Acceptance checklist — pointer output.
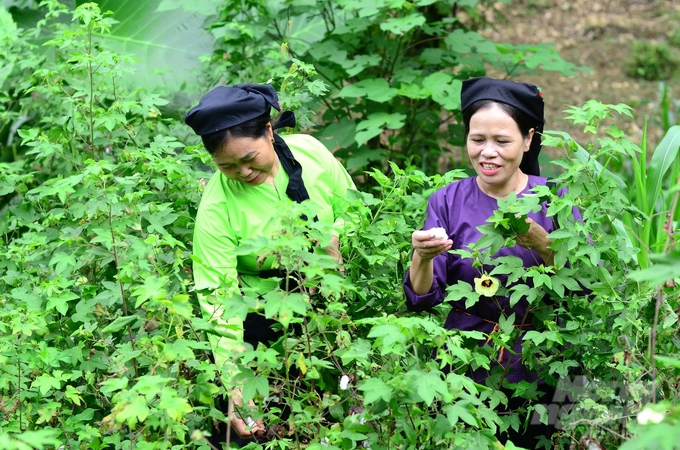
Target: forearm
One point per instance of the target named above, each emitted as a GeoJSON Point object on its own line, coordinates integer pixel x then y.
{"type": "Point", "coordinates": [536, 239]}
{"type": "Point", "coordinates": [548, 256]}
{"type": "Point", "coordinates": [421, 274]}
{"type": "Point", "coordinates": [546, 253]}
{"type": "Point", "coordinates": [334, 249]}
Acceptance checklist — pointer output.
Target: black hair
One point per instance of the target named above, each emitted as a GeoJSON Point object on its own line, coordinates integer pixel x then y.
{"type": "Point", "coordinates": [524, 123]}
{"type": "Point", "coordinates": [253, 128]}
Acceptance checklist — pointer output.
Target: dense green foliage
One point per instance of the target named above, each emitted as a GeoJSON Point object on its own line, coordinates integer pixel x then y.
{"type": "Point", "coordinates": [393, 68]}
{"type": "Point", "coordinates": [651, 61]}
{"type": "Point", "coordinates": [101, 341]}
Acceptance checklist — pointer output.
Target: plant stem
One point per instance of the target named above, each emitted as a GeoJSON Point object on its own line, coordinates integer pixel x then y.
{"type": "Point", "coordinates": [207, 442]}
{"type": "Point", "coordinates": [91, 79]}
{"type": "Point", "coordinates": [120, 284]}
{"type": "Point", "coordinates": [410, 418]}
{"type": "Point", "coordinates": [593, 423]}
{"type": "Point", "coordinates": [659, 300]}
{"type": "Point", "coordinates": [68, 440]}
{"type": "Point", "coordinates": [652, 340]}
{"type": "Point", "coordinates": [507, 366]}
{"type": "Point", "coordinates": [671, 214]}
{"type": "Point", "coordinates": [19, 392]}
{"type": "Point", "coordinates": [309, 347]}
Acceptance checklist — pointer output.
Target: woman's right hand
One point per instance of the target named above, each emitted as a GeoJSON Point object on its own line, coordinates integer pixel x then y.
{"type": "Point", "coordinates": [427, 247]}
{"type": "Point", "coordinates": [243, 429]}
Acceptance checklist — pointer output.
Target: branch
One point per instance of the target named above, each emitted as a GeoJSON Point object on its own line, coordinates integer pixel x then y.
{"type": "Point", "coordinates": [120, 284]}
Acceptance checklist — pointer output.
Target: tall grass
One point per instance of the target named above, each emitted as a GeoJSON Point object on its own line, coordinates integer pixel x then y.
{"type": "Point", "coordinates": [651, 194]}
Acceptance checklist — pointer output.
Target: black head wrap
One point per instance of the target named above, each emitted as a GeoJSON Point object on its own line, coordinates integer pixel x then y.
{"type": "Point", "coordinates": [523, 96]}
{"type": "Point", "coordinates": [225, 107]}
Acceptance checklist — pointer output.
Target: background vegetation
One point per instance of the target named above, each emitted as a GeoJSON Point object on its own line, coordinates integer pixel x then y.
{"type": "Point", "coordinates": [101, 342]}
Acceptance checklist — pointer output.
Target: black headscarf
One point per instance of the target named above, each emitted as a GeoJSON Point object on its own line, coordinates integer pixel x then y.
{"type": "Point", "coordinates": [226, 106]}
{"type": "Point", "coordinates": [523, 96]}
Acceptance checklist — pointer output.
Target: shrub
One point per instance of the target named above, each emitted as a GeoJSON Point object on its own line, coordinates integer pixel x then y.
{"type": "Point", "coordinates": [650, 61]}
{"type": "Point", "coordinates": [674, 38]}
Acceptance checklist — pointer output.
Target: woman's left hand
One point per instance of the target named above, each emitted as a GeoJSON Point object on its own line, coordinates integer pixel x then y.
{"type": "Point", "coordinates": [536, 238]}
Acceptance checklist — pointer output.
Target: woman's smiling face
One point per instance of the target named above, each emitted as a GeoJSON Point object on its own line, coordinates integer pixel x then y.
{"type": "Point", "coordinates": [496, 146]}
{"type": "Point", "coordinates": [251, 161]}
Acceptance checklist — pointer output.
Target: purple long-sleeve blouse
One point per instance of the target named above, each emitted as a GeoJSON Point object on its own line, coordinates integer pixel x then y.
{"type": "Point", "coordinates": [460, 208]}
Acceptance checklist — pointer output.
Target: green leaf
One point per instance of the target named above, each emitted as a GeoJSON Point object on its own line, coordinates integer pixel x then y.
{"type": "Point", "coordinates": [178, 350]}
{"type": "Point", "coordinates": [111, 385]}
{"type": "Point", "coordinates": [59, 301]}
{"type": "Point", "coordinates": [535, 336]}
{"type": "Point", "coordinates": [30, 300]}
{"type": "Point", "coordinates": [376, 89]}
{"type": "Point", "coordinates": [658, 436]}
{"type": "Point", "coordinates": [180, 305]}
{"type": "Point", "coordinates": [444, 89]}
{"type": "Point", "coordinates": [137, 410]}
{"type": "Point", "coordinates": [353, 436]}
{"type": "Point", "coordinates": [668, 361]}
{"type": "Point", "coordinates": [359, 350]}
{"type": "Point", "coordinates": [562, 367]}
{"type": "Point", "coordinates": [119, 324]}
{"type": "Point", "coordinates": [459, 291]}
{"type": "Point", "coordinates": [359, 63]}
{"type": "Point", "coordinates": [389, 337]}
{"type": "Point", "coordinates": [205, 391]}
{"type": "Point", "coordinates": [375, 389]}
{"type": "Point", "coordinates": [255, 384]}
{"type": "Point", "coordinates": [168, 43]}
{"type": "Point", "coordinates": [542, 412]}
{"type": "Point", "coordinates": [401, 25]}
{"type": "Point", "coordinates": [64, 262]}
{"type": "Point", "coordinates": [153, 287]}
{"type": "Point", "coordinates": [361, 158]}
{"type": "Point", "coordinates": [457, 411]}
{"type": "Point", "coordinates": [373, 125]}
{"type": "Point", "coordinates": [285, 306]}
{"type": "Point", "coordinates": [43, 438]}
{"type": "Point", "coordinates": [45, 383]}
{"type": "Point", "coordinates": [176, 407]}
{"type": "Point", "coordinates": [73, 394]}
{"type": "Point", "coordinates": [519, 291]}
{"type": "Point", "coordinates": [665, 267]}
{"type": "Point", "coordinates": [466, 42]}
{"type": "Point", "coordinates": [430, 386]}
{"type": "Point", "coordinates": [665, 154]}
{"type": "Point", "coordinates": [506, 324]}
{"type": "Point", "coordinates": [339, 134]}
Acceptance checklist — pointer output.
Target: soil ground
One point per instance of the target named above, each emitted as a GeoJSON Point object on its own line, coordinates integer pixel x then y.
{"type": "Point", "coordinates": [598, 34]}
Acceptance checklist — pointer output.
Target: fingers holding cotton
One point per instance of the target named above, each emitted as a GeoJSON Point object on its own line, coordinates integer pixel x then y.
{"type": "Point", "coordinates": [438, 233]}
{"type": "Point", "coordinates": [430, 243]}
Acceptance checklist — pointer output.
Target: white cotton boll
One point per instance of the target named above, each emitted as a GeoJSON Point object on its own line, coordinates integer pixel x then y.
{"type": "Point", "coordinates": [250, 422]}
{"type": "Point", "coordinates": [648, 415]}
{"type": "Point", "coordinates": [439, 233]}
{"type": "Point", "coordinates": [344, 382]}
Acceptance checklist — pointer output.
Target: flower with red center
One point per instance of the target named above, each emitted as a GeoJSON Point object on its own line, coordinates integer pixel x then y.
{"type": "Point", "coordinates": [486, 285]}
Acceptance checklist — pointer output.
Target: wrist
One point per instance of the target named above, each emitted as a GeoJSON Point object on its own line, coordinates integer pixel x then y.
{"type": "Point", "coordinates": [547, 254]}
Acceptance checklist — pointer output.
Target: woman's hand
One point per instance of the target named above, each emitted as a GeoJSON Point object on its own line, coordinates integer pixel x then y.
{"type": "Point", "coordinates": [334, 251]}
{"type": "Point", "coordinates": [243, 429]}
{"type": "Point", "coordinates": [536, 238]}
{"type": "Point", "coordinates": [427, 247]}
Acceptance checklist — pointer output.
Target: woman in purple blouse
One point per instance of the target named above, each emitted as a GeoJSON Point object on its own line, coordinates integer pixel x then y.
{"type": "Point", "coordinates": [502, 122]}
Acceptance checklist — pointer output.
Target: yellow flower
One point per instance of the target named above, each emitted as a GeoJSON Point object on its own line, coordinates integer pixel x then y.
{"type": "Point", "coordinates": [486, 285]}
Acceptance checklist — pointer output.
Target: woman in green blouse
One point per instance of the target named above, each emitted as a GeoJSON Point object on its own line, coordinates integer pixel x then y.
{"type": "Point", "coordinates": [258, 171]}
